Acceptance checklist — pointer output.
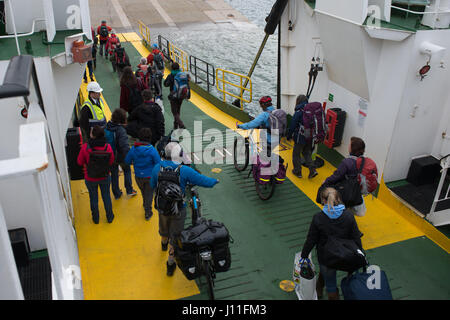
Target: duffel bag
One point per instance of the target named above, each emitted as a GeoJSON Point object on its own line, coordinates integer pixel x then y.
{"type": "Point", "coordinates": [366, 286]}
{"type": "Point", "coordinates": [204, 233]}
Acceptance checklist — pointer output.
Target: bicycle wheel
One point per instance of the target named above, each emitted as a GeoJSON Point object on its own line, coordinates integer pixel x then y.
{"type": "Point", "coordinates": [265, 191]}
{"type": "Point", "coordinates": [241, 154]}
{"type": "Point", "coordinates": [209, 279]}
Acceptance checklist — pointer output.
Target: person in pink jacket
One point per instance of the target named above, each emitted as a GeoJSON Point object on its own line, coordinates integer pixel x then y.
{"type": "Point", "coordinates": [97, 158]}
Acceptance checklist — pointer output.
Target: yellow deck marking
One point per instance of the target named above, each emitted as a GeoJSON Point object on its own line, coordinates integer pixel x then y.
{"type": "Point", "coordinates": [123, 260]}
{"type": "Point", "coordinates": [381, 225]}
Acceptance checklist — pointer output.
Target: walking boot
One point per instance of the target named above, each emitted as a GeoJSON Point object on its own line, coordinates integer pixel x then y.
{"type": "Point", "coordinates": [312, 173]}
{"type": "Point", "coordinates": [333, 295]}
{"type": "Point", "coordinates": [320, 284]}
{"type": "Point", "coordinates": [298, 174]}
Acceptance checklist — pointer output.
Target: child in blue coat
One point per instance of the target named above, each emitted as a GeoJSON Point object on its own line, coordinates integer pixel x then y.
{"type": "Point", "coordinates": [144, 157]}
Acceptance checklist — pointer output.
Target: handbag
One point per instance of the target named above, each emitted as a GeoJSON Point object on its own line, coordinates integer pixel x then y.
{"type": "Point", "coordinates": [343, 254]}
{"type": "Point", "coordinates": [349, 190]}
{"type": "Point", "coordinates": [304, 278]}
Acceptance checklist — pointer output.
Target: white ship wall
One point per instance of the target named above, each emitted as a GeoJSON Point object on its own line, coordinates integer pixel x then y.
{"type": "Point", "coordinates": [379, 74]}
{"type": "Point", "coordinates": [42, 206]}
{"type": "Point", "coordinates": [418, 131]}
{"type": "Point", "coordinates": [17, 196]}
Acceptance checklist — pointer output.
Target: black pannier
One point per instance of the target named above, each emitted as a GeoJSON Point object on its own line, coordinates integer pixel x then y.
{"type": "Point", "coordinates": [206, 233]}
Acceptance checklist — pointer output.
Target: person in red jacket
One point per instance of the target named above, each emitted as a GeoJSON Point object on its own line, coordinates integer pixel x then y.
{"type": "Point", "coordinates": [130, 90]}
{"type": "Point", "coordinates": [97, 157]}
{"type": "Point", "coordinates": [111, 44]}
{"type": "Point", "coordinates": [151, 56]}
{"type": "Point", "coordinates": [103, 31]}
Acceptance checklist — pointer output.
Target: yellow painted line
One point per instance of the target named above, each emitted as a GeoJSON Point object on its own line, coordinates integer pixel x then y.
{"type": "Point", "coordinates": [385, 195]}
{"type": "Point", "coordinates": [381, 225]}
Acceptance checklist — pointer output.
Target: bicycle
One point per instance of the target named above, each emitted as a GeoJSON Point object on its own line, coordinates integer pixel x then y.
{"type": "Point", "coordinates": [264, 191]}
{"type": "Point", "coordinates": [204, 257]}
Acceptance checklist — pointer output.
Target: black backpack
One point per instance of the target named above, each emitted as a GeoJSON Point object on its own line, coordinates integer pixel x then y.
{"type": "Point", "coordinates": [169, 196]}
{"type": "Point", "coordinates": [98, 164]}
{"type": "Point", "coordinates": [163, 143]}
{"type": "Point", "coordinates": [158, 59]}
{"type": "Point", "coordinates": [104, 31]}
{"type": "Point", "coordinates": [135, 98]}
{"type": "Point", "coordinates": [120, 57]}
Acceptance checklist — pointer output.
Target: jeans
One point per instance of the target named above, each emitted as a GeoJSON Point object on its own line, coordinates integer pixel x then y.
{"type": "Point", "coordinates": [115, 179]}
{"type": "Point", "coordinates": [106, 196]}
{"type": "Point", "coordinates": [147, 193]}
{"type": "Point", "coordinates": [300, 149]}
{"type": "Point", "coordinates": [329, 277]}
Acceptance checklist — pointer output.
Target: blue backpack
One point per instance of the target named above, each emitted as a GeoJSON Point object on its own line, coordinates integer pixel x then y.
{"type": "Point", "coordinates": [111, 139]}
{"type": "Point", "coordinates": [181, 89]}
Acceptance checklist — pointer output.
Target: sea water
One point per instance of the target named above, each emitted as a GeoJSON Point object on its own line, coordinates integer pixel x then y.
{"type": "Point", "coordinates": [233, 46]}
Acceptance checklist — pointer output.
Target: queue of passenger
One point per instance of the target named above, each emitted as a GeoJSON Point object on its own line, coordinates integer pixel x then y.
{"type": "Point", "coordinates": [106, 148]}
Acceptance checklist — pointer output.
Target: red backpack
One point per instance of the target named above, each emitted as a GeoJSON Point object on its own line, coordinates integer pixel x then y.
{"type": "Point", "coordinates": [367, 175]}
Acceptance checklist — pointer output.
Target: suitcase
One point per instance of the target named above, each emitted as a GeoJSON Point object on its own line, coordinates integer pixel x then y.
{"type": "Point", "coordinates": [355, 287]}
{"type": "Point", "coordinates": [339, 131]}
{"type": "Point", "coordinates": [73, 147]}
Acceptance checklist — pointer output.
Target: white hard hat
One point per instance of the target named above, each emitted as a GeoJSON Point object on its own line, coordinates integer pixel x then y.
{"type": "Point", "coordinates": [94, 87]}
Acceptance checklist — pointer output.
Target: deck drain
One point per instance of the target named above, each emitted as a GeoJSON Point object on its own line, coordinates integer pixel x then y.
{"type": "Point", "coordinates": [287, 285]}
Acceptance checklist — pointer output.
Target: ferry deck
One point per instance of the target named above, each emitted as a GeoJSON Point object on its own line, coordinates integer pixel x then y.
{"type": "Point", "coordinates": [123, 260]}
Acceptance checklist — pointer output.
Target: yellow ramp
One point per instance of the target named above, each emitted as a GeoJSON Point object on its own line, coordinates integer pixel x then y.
{"type": "Point", "coordinates": [123, 260]}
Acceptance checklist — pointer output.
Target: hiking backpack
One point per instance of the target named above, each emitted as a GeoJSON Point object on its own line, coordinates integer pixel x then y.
{"type": "Point", "coordinates": [278, 120]}
{"type": "Point", "coordinates": [181, 88]}
{"type": "Point", "coordinates": [98, 164]}
{"type": "Point", "coordinates": [111, 139]}
{"type": "Point", "coordinates": [314, 127]}
{"type": "Point", "coordinates": [120, 57]}
{"type": "Point", "coordinates": [169, 196]}
{"type": "Point", "coordinates": [367, 175]}
{"type": "Point", "coordinates": [104, 31]}
{"type": "Point", "coordinates": [113, 43]}
{"type": "Point", "coordinates": [158, 59]}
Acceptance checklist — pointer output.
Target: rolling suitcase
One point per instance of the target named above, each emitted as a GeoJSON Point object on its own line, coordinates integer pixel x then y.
{"type": "Point", "coordinates": [74, 142]}
{"type": "Point", "coordinates": [366, 286]}
{"type": "Point", "coordinates": [339, 132]}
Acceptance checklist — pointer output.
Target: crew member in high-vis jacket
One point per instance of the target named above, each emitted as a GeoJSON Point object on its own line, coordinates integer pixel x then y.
{"type": "Point", "coordinates": [93, 110]}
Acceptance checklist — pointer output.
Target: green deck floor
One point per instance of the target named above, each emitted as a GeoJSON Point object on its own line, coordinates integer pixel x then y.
{"type": "Point", "coordinates": [268, 234]}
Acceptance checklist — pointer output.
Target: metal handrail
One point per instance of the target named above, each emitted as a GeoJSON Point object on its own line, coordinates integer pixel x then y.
{"type": "Point", "coordinates": [164, 47]}
{"type": "Point", "coordinates": [145, 32]}
{"type": "Point", "coordinates": [240, 86]}
{"type": "Point", "coordinates": [194, 68]}
{"type": "Point", "coordinates": [178, 55]}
